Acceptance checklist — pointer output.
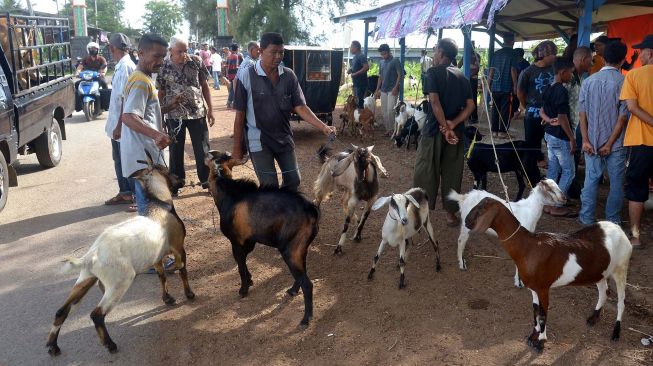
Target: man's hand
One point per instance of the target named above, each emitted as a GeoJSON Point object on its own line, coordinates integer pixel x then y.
{"type": "Point", "coordinates": [451, 137]}
{"type": "Point", "coordinates": [116, 132]}
{"type": "Point", "coordinates": [554, 122]}
{"type": "Point", "coordinates": [377, 94]}
{"type": "Point", "coordinates": [572, 147]}
{"type": "Point", "coordinates": [395, 91]}
{"type": "Point", "coordinates": [329, 130]}
{"type": "Point", "coordinates": [605, 149]}
{"type": "Point", "coordinates": [210, 118]}
{"type": "Point", "coordinates": [450, 125]}
{"type": "Point", "coordinates": [588, 148]}
{"type": "Point", "coordinates": [162, 140]}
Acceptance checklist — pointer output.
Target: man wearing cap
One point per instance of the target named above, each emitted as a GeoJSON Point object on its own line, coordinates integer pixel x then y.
{"type": "Point", "coordinates": [502, 79]}
{"type": "Point", "coordinates": [119, 47]}
{"type": "Point", "coordinates": [637, 91]}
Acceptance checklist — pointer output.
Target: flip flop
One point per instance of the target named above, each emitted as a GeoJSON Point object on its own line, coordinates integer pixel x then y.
{"type": "Point", "coordinates": [132, 208]}
{"type": "Point", "coordinates": [568, 213]}
{"type": "Point", "coordinates": [118, 200]}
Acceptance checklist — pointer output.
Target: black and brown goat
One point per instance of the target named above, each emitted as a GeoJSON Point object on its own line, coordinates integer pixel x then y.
{"type": "Point", "coordinates": [277, 217]}
{"type": "Point", "coordinates": [357, 171]}
{"type": "Point", "coordinates": [546, 260]}
{"type": "Point", "coordinates": [128, 248]}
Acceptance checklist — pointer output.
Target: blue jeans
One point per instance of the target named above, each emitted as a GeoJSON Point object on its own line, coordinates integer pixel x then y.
{"type": "Point", "coordinates": [139, 194]}
{"type": "Point", "coordinates": [216, 80]}
{"type": "Point", "coordinates": [359, 92]}
{"type": "Point", "coordinates": [124, 188]}
{"type": "Point", "coordinates": [595, 165]}
{"type": "Point", "coordinates": [561, 162]}
{"type": "Point", "coordinates": [232, 92]}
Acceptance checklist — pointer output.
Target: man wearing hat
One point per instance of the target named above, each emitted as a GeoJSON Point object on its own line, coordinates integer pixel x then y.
{"type": "Point", "coordinates": [119, 47]}
{"type": "Point", "coordinates": [637, 91]}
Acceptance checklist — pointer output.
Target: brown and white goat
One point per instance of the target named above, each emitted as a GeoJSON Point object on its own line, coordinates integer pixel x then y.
{"type": "Point", "coordinates": [546, 260]}
{"type": "Point", "coordinates": [277, 217]}
{"type": "Point", "coordinates": [357, 171]}
{"type": "Point", "coordinates": [125, 249]}
{"type": "Point", "coordinates": [347, 117]}
{"type": "Point", "coordinates": [364, 122]}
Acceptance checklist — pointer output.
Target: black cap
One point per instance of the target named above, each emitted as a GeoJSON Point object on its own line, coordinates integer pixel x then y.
{"type": "Point", "coordinates": [646, 43]}
{"type": "Point", "coordinates": [120, 41]}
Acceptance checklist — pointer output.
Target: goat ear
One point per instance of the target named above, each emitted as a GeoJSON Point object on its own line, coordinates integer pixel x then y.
{"type": "Point", "coordinates": [369, 148]}
{"type": "Point", "coordinates": [412, 200]}
{"type": "Point", "coordinates": [377, 164]}
{"type": "Point", "coordinates": [382, 201]}
{"type": "Point", "coordinates": [354, 146]}
{"type": "Point", "coordinates": [342, 165]}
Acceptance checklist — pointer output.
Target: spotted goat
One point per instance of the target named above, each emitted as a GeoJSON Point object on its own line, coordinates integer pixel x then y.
{"type": "Point", "coordinates": [125, 249]}
{"type": "Point", "coordinates": [546, 260]}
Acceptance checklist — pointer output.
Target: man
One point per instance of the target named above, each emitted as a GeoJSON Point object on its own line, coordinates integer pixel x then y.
{"type": "Point", "coordinates": [358, 71]}
{"type": "Point", "coordinates": [439, 160]}
{"type": "Point", "coordinates": [522, 64]}
{"type": "Point", "coordinates": [184, 77]}
{"type": "Point", "coordinates": [266, 95]}
{"type": "Point", "coordinates": [253, 52]}
{"type": "Point", "coordinates": [582, 59]}
{"type": "Point", "coordinates": [425, 63]}
{"type": "Point", "coordinates": [502, 79]}
{"type": "Point", "coordinates": [602, 120]}
{"type": "Point", "coordinates": [205, 55]}
{"type": "Point", "coordinates": [391, 75]}
{"type": "Point", "coordinates": [532, 83]}
{"type": "Point", "coordinates": [119, 46]}
{"type": "Point", "coordinates": [216, 67]}
{"type": "Point", "coordinates": [598, 62]}
{"type": "Point", "coordinates": [637, 91]}
{"type": "Point", "coordinates": [233, 62]}
{"type": "Point", "coordinates": [93, 62]}
{"type": "Point", "coordinates": [141, 117]}
{"type": "Point", "coordinates": [474, 67]}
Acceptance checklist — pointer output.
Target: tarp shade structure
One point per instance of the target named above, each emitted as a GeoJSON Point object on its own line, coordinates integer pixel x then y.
{"type": "Point", "coordinates": [409, 17]}
{"type": "Point", "coordinates": [631, 31]}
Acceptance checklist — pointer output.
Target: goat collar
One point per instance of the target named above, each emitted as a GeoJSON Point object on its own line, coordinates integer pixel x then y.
{"type": "Point", "coordinates": [513, 234]}
{"type": "Point", "coordinates": [163, 204]}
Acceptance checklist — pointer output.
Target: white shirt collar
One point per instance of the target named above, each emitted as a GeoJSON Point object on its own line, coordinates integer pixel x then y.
{"type": "Point", "coordinates": [261, 72]}
{"type": "Point", "coordinates": [608, 68]}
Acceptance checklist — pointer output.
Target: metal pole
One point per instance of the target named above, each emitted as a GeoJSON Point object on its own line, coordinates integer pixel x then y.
{"type": "Point", "coordinates": [365, 40]}
{"type": "Point", "coordinates": [490, 51]}
{"type": "Point", "coordinates": [96, 14]}
{"type": "Point", "coordinates": [468, 50]}
{"type": "Point", "coordinates": [29, 7]}
{"type": "Point", "coordinates": [402, 60]}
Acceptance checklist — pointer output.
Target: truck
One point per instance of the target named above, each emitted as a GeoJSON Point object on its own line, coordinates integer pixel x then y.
{"type": "Point", "coordinates": [36, 92]}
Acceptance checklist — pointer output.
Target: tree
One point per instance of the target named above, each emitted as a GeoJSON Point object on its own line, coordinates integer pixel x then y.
{"type": "Point", "coordinates": [108, 14]}
{"type": "Point", "coordinates": [9, 5]}
{"type": "Point", "coordinates": [162, 17]}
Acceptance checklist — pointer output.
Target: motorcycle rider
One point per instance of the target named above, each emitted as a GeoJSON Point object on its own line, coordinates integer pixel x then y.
{"type": "Point", "coordinates": [93, 62]}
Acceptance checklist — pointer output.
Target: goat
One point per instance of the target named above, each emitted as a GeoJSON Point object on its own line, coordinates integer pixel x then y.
{"type": "Point", "coordinates": [357, 172]}
{"type": "Point", "coordinates": [528, 211]}
{"type": "Point", "coordinates": [412, 82]}
{"type": "Point", "coordinates": [370, 103]}
{"type": "Point", "coordinates": [401, 117]}
{"type": "Point", "coordinates": [277, 217]}
{"type": "Point", "coordinates": [481, 161]}
{"type": "Point", "coordinates": [413, 126]}
{"type": "Point", "coordinates": [348, 114]}
{"type": "Point", "coordinates": [411, 214]}
{"type": "Point", "coordinates": [125, 249]}
{"type": "Point", "coordinates": [364, 122]}
{"type": "Point", "coordinates": [588, 256]}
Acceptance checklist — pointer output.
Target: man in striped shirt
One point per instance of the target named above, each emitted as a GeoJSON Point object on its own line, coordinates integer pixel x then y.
{"type": "Point", "coordinates": [603, 119]}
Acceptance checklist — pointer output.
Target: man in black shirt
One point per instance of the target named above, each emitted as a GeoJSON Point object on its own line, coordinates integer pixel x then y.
{"type": "Point", "coordinates": [358, 71]}
{"type": "Point", "coordinates": [439, 160]}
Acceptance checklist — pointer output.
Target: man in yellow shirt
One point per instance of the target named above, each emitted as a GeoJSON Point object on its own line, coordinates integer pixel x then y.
{"type": "Point", "coordinates": [637, 91]}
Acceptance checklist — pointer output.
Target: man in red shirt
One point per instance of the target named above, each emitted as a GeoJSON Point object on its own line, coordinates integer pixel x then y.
{"type": "Point", "coordinates": [93, 62]}
{"type": "Point", "coordinates": [233, 62]}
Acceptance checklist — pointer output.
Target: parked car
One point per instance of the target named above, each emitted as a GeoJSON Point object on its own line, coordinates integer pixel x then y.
{"type": "Point", "coordinates": [36, 92]}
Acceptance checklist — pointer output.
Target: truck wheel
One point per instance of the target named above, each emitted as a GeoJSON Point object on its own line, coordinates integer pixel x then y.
{"type": "Point", "coordinates": [89, 111]}
{"type": "Point", "coordinates": [4, 181]}
{"type": "Point", "coordinates": [48, 146]}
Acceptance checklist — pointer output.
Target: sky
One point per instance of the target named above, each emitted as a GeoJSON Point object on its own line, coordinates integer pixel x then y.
{"type": "Point", "coordinates": [337, 36]}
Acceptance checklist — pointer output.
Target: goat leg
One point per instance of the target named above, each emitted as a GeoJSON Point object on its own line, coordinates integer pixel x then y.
{"type": "Point", "coordinates": [376, 259]}
{"type": "Point", "coordinates": [402, 264]}
{"type": "Point", "coordinates": [183, 273]}
{"type": "Point", "coordinates": [434, 243]}
{"type": "Point", "coordinates": [165, 296]}
{"type": "Point", "coordinates": [245, 276]}
{"type": "Point", "coordinates": [361, 222]}
{"type": "Point", "coordinates": [351, 206]}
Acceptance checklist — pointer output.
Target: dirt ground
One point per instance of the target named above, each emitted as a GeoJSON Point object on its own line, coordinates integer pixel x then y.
{"type": "Point", "coordinates": [451, 317]}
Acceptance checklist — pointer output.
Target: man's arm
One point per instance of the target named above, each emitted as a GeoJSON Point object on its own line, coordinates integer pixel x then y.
{"type": "Point", "coordinates": [634, 108]}
{"type": "Point", "coordinates": [618, 128]}
{"type": "Point", "coordinates": [400, 78]}
{"type": "Point", "coordinates": [587, 145]}
{"type": "Point", "coordinates": [206, 93]}
{"type": "Point", "coordinates": [464, 114]}
{"type": "Point", "coordinates": [364, 69]}
{"type": "Point", "coordinates": [136, 123]}
{"type": "Point", "coordinates": [513, 75]}
{"type": "Point", "coordinates": [490, 77]}
{"type": "Point", "coordinates": [238, 149]}
{"type": "Point", "coordinates": [307, 115]}
{"type": "Point", "coordinates": [564, 123]}
{"type": "Point", "coordinates": [377, 92]}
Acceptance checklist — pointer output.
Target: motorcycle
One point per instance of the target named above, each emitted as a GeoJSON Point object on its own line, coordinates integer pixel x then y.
{"type": "Point", "coordinates": [89, 91]}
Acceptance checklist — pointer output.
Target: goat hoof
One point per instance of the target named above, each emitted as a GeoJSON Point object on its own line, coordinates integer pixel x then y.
{"type": "Point", "coordinates": [303, 324]}
{"type": "Point", "coordinates": [190, 295]}
{"type": "Point", "coordinates": [371, 274]}
{"type": "Point", "coordinates": [539, 345]}
{"type": "Point", "coordinates": [54, 350]}
{"type": "Point", "coordinates": [169, 300]}
{"type": "Point", "coordinates": [438, 267]}
{"type": "Point", "coordinates": [250, 282]}
{"type": "Point", "coordinates": [243, 292]}
{"type": "Point", "coordinates": [357, 238]}
{"type": "Point", "coordinates": [112, 347]}
{"type": "Point", "coordinates": [292, 292]}
{"type": "Point", "coordinates": [338, 250]}
{"type": "Point", "coordinates": [594, 318]}
{"type": "Point", "coordinates": [616, 331]}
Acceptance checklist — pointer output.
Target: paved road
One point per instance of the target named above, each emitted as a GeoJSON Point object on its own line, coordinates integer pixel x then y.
{"type": "Point", "coordinates": [55, 213]}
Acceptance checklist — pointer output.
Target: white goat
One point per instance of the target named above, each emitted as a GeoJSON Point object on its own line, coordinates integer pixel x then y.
{"type": "Point", "coordinates": [401, 117]}
{"type": "Point", "coordinates": [528, 211]}
{"type": "Point", "coordinates": [125, 249]}
{"type": "Point", "coordinates": [370, 103]}
{"type": "Point", "coordinates": [407, 215]}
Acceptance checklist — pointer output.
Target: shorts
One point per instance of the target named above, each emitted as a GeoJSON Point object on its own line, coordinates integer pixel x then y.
{"type": "Point", "coordinates": [639, 169]}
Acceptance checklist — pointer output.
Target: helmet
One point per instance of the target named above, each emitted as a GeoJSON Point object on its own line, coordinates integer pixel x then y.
{"type": "Point", "coordinates": [92, 45]}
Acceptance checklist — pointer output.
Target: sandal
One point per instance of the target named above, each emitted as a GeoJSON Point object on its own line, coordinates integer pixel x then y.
{"type": "Point", "coordinates": [132, 208]}
{"type": "Point", "coordinates": [118, 200]}
{"type": "Point", "coordinates": [564, 212]}
{"type": "Point", "coordinates": [639, 246]}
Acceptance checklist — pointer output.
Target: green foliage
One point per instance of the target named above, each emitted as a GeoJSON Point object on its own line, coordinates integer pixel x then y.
{"type": "Point", "coordinates": [162, 17]}
{"type": "Point", "coordinates": [201, 16]}
{"type": "Point", "coordinates": [9, 5]}
{"type": "Point", "coordinates": [108, 14]}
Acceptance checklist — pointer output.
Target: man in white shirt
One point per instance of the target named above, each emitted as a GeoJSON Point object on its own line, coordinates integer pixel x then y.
{"type": "Point", "coordinates": [119, 46]}
{"type": "Point", "coordinates": [425, 63]}
{"type": "Point", "coordinates": [216, 66]}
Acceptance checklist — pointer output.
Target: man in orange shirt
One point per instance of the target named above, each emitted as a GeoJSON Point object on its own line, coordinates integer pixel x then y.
{"type": "Point", "coordinates": [637, 91]}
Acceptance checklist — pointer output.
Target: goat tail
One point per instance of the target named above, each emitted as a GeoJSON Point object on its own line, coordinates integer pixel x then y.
{"type": "Point", "coordinates": [455, 196]}
{"type": "Point", "coordinates": [323, 152]}
{"type": "Point", "coordinates": [72, 264]}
